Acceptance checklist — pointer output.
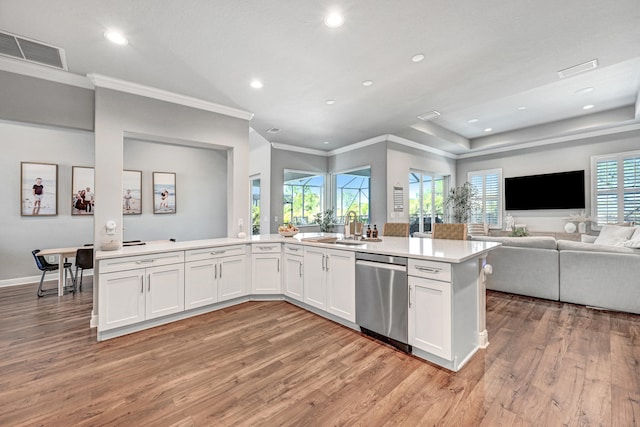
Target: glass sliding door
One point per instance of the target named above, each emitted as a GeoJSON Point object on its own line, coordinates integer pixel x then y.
{"type": "Point", "coordinates": [255, 205]}
{"type": "Point", "coordinates": [426, 200]}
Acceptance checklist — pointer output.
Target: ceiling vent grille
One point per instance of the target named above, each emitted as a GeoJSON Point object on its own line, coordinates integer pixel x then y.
{"type": "Point", "coordinates": [273, 130]}
{"type": "Point", "coordinates": [32, 51]}
{"type": "Point", "coordinates": [429, 116]}
{"type": "Point", "coordinates": [577, 69]}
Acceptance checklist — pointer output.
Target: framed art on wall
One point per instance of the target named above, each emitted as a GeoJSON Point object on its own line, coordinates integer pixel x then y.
{"type": "Point", "coordinates": [164, 192]}
{"type": "Point", "coordinates": [82, 196]}
{"type": "Point", "coordinates": [38, 189]}
{"type": "Point", "coordinates": [132, 192]}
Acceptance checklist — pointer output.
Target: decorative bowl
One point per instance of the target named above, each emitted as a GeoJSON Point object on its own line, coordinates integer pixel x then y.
{"type": "Point", "coordinates": [288, 233]}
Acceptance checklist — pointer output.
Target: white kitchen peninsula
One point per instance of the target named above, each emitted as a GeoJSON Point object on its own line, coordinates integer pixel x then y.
{"type": "Point", "coordinates": [446, 301]}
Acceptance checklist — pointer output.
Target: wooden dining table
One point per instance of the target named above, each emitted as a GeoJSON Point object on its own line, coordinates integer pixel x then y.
{"type": "Point", "coordinates": [63, 254]}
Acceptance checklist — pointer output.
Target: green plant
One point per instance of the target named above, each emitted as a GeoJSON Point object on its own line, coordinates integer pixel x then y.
{"type": "Point", "coordinates": [326, 220]}
{"type": "Point", "coordinates": [461, 201]}
{"type": "Point", "coordinates": [519, 232]}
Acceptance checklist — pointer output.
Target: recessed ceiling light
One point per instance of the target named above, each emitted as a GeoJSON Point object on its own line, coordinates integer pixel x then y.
{"type": "Point", "coordinates": [116, 37]}
{"type": "Point", "coordinates": [330, 101]}
{"type": "Point", "coordinates": [417, 58]}
{"type": "Point", "coordinates": [588, 107]}
{"type": "Point", "coordinates": [488, 129]}
{"type": "Point", "coordinates": [367, 83]}
{"type": "Point", "coordinates": [584, 90]}
{"type": "Point", "coordinates": [256, 84]}
{"type": "Point", "coordinates": [326, 142]}
{"type": "Point", "coordinates": [522, 107]}
{"type": "Point", "coordinates": [334, 20]}
{"type": "Point", "coordinates": [473, 121]}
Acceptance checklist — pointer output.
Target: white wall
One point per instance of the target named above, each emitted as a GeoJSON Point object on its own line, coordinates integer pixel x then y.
{"type": "Point", "coordinates": [575, 155]}
{"type": "Point", "coordinates": [260, 164]}
{"type": "Point", "coordinates": [20, 235]}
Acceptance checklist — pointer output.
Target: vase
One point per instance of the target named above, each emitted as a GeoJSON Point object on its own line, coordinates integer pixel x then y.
{"type": "Point", "coordinates": [570, 227]}
{"type": "Point", "coordinates": [582, 227]}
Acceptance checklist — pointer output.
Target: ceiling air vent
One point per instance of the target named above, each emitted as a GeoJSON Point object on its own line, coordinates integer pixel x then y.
{"type": "Point", "coordinates": [429, 116]}
{"type": "Point", "coordinates": [273, 130]}
{"type": "Point", "coordinates": [577, 69]}
{"type": "Point", "coordinates": [31, 51]}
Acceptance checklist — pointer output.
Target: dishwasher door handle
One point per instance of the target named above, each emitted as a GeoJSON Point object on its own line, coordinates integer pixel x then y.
{"type": "Point", "coordinates": [381, 265]}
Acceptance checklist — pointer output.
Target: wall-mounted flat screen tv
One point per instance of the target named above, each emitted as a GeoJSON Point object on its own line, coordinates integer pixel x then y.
{"type": "Point", "coordinates": [563, 190]}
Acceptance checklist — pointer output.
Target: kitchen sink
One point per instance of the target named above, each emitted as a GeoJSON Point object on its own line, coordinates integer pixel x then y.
{"type": "Point", "coordinates": [350, 242]}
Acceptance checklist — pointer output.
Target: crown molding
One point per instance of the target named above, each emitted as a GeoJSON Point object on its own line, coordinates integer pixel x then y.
{"type": "Point", "coordinates": [43, 72]}
{"type": "Point", "coordinates": [288, 147]}
{"type": "Point", "coordinates": [163, 95]}
{"type": "Point", "coordinates": [358, 145]}
{"type": "Point", "coordinates": [555, 140]}
{"type": "Point", "coordinates": [408, 143]}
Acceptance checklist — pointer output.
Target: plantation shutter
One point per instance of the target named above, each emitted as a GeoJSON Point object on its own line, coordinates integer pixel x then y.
{"type": "Point", "coordinates": [488, 190]}
{"type": "Point", "coordinates": [616, 188]}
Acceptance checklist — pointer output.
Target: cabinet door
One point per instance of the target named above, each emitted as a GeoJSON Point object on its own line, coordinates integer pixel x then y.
{"type": "Point", "coordinates": [430, 316]}
{"type": "Point", "coordinates": [232, 277]}
{"type": "Point", "coordinates": [122, 298]}
{"type": "Point", "coordinates": [341, 284]}
{"type": "Point", "coordinates": [266, 277]}
{"type": "Point", "coordinates": [293, 281]}
{"type": "Point", "coordinates": [165, 290]}
{"type": "Point", "coordinates": [314, 278]}
{"type": "Point", "coordinates": [200, 283]}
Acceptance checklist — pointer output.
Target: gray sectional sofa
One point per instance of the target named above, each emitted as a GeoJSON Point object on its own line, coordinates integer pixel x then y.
{"type": "Point", "coordinates": [603, 276]}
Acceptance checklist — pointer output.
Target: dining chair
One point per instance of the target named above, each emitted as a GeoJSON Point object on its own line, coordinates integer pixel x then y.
{"type": "Point", "coordinates": [396, 229]}
{"type": "Point", "coordinates": [46, 267]}
{"type": "Point", "coordinates": [450, 231]}
{"type": "Point", "coordinates": [84, 261]}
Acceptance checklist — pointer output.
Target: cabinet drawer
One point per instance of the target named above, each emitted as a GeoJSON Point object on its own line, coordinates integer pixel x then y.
{"type": "Point", "coordinates": [293, 249]}
{"type": "Point", "coordinates": [263, 248]}
{"type": "Point", "coordinates": [430, 269]}
{"type": "Point", "coordinates": [138, 261]}
{"type": "Point", "coordinates": [214, 252]}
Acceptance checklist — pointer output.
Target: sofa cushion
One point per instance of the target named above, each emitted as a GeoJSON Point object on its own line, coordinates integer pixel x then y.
{"type": "Point", "coordinates": [537, 242]}
{"type": "Point", "coordinates": [567, 245]}
{"type": "Point", "coordinates": [614, 235]}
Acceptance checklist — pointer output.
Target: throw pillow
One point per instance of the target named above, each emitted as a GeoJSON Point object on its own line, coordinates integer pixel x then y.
{"type": "Point", "coordinates": [614, 235]}
{"type": "Point", "coordinates": [634, 240]}
{"type": "Point", "coordinates": [477, 229]}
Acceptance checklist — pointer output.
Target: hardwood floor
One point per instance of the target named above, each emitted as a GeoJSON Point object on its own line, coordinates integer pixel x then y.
{"type": "Point", "coordinates": [271, 363]}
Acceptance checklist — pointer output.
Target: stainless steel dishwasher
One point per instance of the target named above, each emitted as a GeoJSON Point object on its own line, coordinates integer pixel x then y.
{"type": "Point", "coordinates": [382, 298]}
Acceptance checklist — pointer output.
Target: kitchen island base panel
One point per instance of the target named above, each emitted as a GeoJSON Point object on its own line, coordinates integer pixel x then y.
{"type": "Point", "coordinates": [322, 313]}
{"type": "Point", "coordinates": [452, 365]}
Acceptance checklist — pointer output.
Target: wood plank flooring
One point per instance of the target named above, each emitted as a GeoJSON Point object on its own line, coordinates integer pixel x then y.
{"type": "Point", "coordinates": [271, 364]}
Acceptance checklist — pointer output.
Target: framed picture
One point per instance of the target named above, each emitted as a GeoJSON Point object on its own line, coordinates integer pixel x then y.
{"type": "Point", "coordinates": [164, 192]}
{"type": "Point", "coordinates": [82, 196]}
{"type": "Point", "coordinates": [38, 189]}
{"type": "Point", "coordinates": [131, 192]}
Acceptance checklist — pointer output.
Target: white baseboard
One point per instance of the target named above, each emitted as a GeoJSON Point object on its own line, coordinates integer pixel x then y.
{"type": "Point", "coordinates": [34, 279]}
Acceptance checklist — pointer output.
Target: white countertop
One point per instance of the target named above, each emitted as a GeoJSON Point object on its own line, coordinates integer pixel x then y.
{"type": "Point", "coordinates": [452, 251]}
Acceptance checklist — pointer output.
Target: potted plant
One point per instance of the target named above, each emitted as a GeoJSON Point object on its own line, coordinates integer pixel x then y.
{"type": "Point", "coordinates": [461, 201]}
{"type": "Point", "coordinates": [326, 220]}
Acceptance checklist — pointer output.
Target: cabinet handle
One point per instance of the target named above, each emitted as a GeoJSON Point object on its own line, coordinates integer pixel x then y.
{"type": "Point", "coordinates": [327, 263]}
{"type": "Point", "coordinates": [142, 284]}
{"type": "Point", "coordinates": [323, 268]}
{"type": "Point", "coordinates": [428, 269]}
{"type": "Point", "coordinates": [294, 249]}
{"type": "Point", "coordinates": [216, 253]}
{"type": "Point", "coordinates": [300, 269]}
{"type": "Point", "coordinates": [149, 282]}
{"type": "Point", "coordinates": [215, 275]}
{"type": "Point", "coordinates": [264, 248]}
{"type": "Point", "coordinates": [278, 265]}
{"type": "Point", "coordinates": [144, 261]}
{"type": "Point", "coordinates": [409, 296]}
{"type": "Point", "coordinates": [221, 271]}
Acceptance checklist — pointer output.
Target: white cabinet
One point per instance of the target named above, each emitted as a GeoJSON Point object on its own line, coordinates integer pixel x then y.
{"type": "Point", "coordinates": [131, 292]}
{"type": "Point", "coordinates": [214, 274]}
{"type": "Point", "coordinates": [430, 316]}
{"type": "Point", "coordinates": [329, 281]}
{"type": "Point", "coordinates": [293, 271]}
{"type": "Point", "coordinates": [266, 271]}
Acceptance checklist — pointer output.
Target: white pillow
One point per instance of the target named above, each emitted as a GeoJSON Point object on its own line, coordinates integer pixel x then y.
{"type": "Point", "coordinates": [634, 240]}
{"type": "Point", "coordinates": [614, 235]}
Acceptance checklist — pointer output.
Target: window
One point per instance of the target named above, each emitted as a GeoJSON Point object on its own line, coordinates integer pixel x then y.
{"type": "Point", "coordinates": [488, 205]}
{"type": "Point", "coordinates": [255, 205]}
{"type": "Point", "coordinates": [426, 200]}
{"type": "Point", "coordinates": [303, 197]}
{"type": "Point", "coordinates": [351, 194]}
{"type": "Point", "coordinates": [615, 183]}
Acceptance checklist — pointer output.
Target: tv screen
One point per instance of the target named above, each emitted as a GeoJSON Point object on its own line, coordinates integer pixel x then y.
{"type": "Point", "coordinates": [564, 190]}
